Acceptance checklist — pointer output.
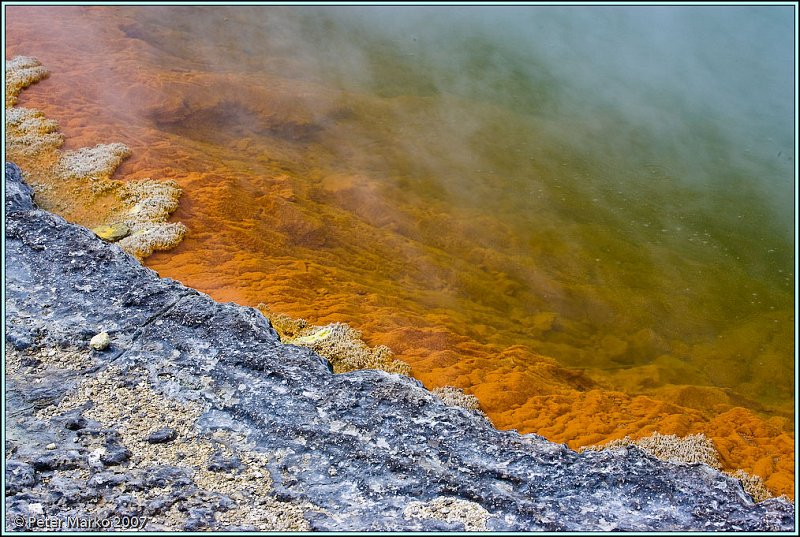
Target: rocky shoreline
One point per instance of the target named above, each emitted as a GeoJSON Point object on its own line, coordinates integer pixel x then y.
{"type": "Point", "coordinates": [196, 417]}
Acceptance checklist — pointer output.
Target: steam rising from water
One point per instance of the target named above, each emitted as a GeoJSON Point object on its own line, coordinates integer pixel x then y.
{"type": "Point", "coordinates": [648, 83]}
{"type": "Point", "coordinates": [702, 91]}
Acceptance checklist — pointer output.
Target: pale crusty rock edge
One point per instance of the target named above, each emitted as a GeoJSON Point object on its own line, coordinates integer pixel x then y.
{"type": "Point", "coordinates": [694, 448]}
{"type": "Point", "coordinates": [139, 222]}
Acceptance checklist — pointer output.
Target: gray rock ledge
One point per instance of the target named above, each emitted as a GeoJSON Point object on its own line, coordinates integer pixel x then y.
{"type": "Point", "coordinates": [359, 451]}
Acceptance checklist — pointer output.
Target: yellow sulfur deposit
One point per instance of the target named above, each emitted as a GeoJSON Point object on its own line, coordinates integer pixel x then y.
{"type": "Point", "coordinates": [340, 344]}
{"type": "Point", "coordinates": [111, 233]}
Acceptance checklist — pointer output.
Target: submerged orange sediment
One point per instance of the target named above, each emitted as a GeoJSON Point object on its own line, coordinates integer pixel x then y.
{"type": "Point", "coordinates": [280, 214]}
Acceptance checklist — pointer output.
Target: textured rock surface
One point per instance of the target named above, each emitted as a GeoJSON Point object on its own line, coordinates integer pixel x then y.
{"type": "Point", "coordinates": [266, 430]}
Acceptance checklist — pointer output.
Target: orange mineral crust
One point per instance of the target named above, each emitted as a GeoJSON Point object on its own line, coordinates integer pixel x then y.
{"type": "Point", "coordinates": [320, 203]}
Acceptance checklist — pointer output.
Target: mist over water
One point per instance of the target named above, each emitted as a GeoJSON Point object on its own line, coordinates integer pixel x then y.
{"type": "Point", "coordinates": [694, 88]}
{"type": "Point", "coordinates": [641, 159]}
{"type": "Point", "coordinates": [608, 186]}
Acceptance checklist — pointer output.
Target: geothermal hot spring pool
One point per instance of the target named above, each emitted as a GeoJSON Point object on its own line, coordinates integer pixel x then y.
{"type": "Point", "coordinates": [581, 215]}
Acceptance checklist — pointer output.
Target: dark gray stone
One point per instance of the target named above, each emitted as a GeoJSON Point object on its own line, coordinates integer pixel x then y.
{"type": "Point", "coordinates": [163, 476]}
{"type": "Point", "coordinates": [115, 453]}
{"type": "Point", "coordinates": [126, 506]}
{"type": "Point", "coordinates": [70, 491]}
{"type": "Point", "coordinates": [30, 362]}
{"type": "Point", "coordinates": [74, 421]}
{"type": "Point", "coordinates": [199, 518]}
{"type": "Point", "coordinates": [167, 434]}
{"type": "Point", "coordinates": [224, 503]}
{"type": "Point", "coordinates": [19, 196]}
{"type": "Point", "coordinates": [158, 506]}
{"type": "Point", "coordinates": [60, 459]}
{"type": "Point", "coordinates": [360, 445]}
{"type": "Point", "coordinates": [45, 396]}
{"type": "Point", "coordinates": [19, 476]}
{"type": "Point", "coordinates": [107, 480]}
{"type": "Point", "coordinates": [219, 463]}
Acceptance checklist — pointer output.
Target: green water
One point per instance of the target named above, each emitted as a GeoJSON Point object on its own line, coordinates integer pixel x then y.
{"type": "Point", "coordinates": [639, 165]}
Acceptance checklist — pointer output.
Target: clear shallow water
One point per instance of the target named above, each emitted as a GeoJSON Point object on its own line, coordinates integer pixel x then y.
{"type": "Point", "coordinates": [476, 188]}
